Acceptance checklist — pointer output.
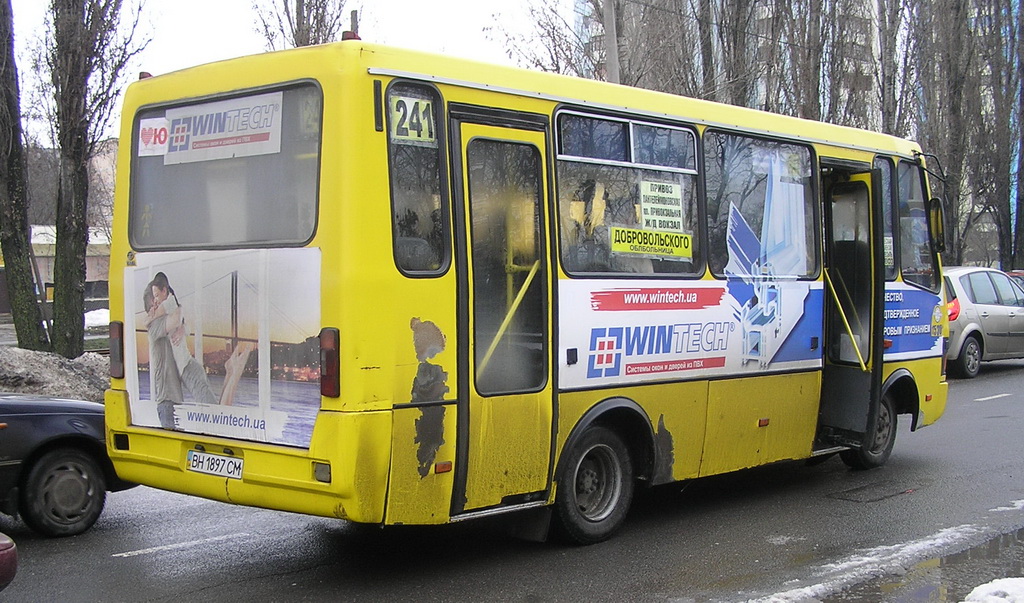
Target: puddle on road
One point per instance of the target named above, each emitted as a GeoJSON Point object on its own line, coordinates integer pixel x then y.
{"type": "Point", "coordinates": [946, 579]}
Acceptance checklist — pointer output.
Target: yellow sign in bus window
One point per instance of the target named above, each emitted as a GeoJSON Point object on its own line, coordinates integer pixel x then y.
{"type": "Point", "coordinates": [412, 121]}
{"type": "Point", "coordinates": [646, 242]}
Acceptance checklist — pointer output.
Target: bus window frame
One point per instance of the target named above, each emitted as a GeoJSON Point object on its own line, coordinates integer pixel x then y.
{"type": "Point", "coordinates": [222, 96]}
{"type": "Point", "coordinates": [815, 180]}
{"type": "Point", "coordinates": [542, 256]}
{"type": "Point", "coordinates": [891, 202]}
{"type": "Point", "coordinates": [444, 176]}
{"type": "Point", "coordinates": [629, 120]}
{"type": "Point", "coordinates": [933, 253]}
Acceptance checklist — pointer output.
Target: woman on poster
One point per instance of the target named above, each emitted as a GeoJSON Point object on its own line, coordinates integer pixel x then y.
{"type": "Point", "coordinates": [164, 306]}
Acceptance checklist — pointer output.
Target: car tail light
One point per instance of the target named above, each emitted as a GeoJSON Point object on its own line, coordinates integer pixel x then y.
{"type": "Point", "coordinates": [330, 363]}
{"type": "Point", "coordinates": [117, 349]}
{"type": "Point", "coordinates": [953, 309]}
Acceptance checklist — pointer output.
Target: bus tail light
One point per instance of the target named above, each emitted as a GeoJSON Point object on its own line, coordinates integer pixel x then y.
{"type": "Point", "coordinates": [117, 349]}
{"type": "Point", "coordinates": [953, 309]}
{"type": "Point", "coordinates": [330, 363]}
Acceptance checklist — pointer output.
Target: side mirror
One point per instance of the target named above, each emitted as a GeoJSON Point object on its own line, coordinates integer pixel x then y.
{"type": "Point", "coordinates": [936, 222]}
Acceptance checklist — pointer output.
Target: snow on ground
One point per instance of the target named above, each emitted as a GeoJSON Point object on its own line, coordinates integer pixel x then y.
{"type": "Point", "coordinates": [865, 565]}
{"type": "Point", "coordinates": [28, 372]}
{"type": "Point", "coordinates": [1005, 590]}
{"type": "Point", "coordinates": [97, 318]}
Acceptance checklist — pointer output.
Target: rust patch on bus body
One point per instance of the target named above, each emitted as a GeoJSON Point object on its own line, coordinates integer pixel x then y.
{"type": "Point", "coordinates": [429, 385]}
{"type": "Point", "coordinates": [429, 437]}
{"type": "Point", "coordinates": [431, 381]}
{"type": "Point", "coordinates": [664, 454]}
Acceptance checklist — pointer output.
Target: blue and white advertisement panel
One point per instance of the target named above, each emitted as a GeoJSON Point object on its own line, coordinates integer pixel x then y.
{"type": "Point", "coordinates": [635, 332]}
{"type": "Point", "coordinates": [913, 322]}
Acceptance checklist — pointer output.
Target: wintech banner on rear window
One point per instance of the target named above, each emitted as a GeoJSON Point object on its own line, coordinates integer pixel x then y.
{"type": "Point", "coordinates": [238, 127]}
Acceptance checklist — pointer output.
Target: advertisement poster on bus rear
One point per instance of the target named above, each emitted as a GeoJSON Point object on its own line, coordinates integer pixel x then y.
{"type": "Point", "coordinates": [226, 342]}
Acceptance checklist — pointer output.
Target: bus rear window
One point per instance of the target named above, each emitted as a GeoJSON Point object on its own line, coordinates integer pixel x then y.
{"type": "Point", "coordinates": [238, 171]}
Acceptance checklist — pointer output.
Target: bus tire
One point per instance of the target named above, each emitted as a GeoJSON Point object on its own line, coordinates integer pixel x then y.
{"type": "Point", "coordinates": [968, 363]}
{"type": "Point", "coordinates": [878, 444]}
{"type": "Point", "coordinates": [595, 487]}
{"type": "Point", "coordinates": [63, 494]}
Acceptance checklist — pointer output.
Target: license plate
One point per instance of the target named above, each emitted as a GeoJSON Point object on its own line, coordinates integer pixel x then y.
{"type": "Point", "coordinates": [214, 464]}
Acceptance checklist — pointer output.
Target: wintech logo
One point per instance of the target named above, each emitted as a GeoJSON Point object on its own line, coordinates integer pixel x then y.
{"type": "Point", "coordinates": [230, 122]}
{"type": "Point", "coordinates": [688, 346]}
{"type": "Point", "coordinates": [605, 353]}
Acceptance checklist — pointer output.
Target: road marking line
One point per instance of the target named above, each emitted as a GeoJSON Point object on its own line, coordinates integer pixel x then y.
{"type": "Point", "coordinates": [180, 545]}
{"type": "Point", "coordinates": [987, 398]}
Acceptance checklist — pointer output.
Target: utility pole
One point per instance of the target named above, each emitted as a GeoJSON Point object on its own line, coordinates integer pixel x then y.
{"type": "Point", "coordinates": [611, 43]}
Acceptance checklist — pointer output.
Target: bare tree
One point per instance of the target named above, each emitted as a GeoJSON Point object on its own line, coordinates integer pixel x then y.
{"type": "Point", "coordinates": [991, 163]}
{"type": "Point", "coordinates": [88, 58]}
{"type": "Point", "coordinates": [947, 71]}
{"type": "Point", "coordinates": [895, 78]}
{"type": "Point", "coordinates": [14, 228]}
{"type": "Point", "coordinates": [295, 23]}
{"type": "Point", "coordinates": [555, 45]}
{"type": "Point", "coordinates": [1018, 235]}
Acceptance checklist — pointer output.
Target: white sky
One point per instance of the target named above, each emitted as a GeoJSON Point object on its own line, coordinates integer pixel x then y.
{"type": "Point", "coordinates": [191, 32]}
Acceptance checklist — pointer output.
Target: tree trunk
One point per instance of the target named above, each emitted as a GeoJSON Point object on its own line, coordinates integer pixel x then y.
{"type": "Point", "coordinates": [69, 264]}
{"type": "Point", "coordinates": [74, 45]}
{"type": "Point", "coordinates": [1018, 247]}
{"type": "Point", "coordinates": [705, 28]}
{"type": "Point", "coordinates": [14, 229]}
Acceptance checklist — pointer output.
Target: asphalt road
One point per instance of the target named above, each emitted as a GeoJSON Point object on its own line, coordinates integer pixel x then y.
{"type": "Point", "coordinates": [796, 531]}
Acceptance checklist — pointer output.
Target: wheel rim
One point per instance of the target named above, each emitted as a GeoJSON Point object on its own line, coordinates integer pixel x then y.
{"type": "Point", "coordinates": [67, 493]}
{"type": "Point", "coordinates": [883, 428]}
{"type": "Point", "coordinates": [598, 483]}
{"type": "Point", "coordinates": [972, 355]}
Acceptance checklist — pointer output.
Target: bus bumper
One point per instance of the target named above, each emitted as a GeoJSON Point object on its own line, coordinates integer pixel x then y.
{"type": "Point", "coordinates": [345, 476]}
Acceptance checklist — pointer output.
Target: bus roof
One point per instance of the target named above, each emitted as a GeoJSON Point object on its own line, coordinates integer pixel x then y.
{"type": "Point", "coordinates": [390, 61]}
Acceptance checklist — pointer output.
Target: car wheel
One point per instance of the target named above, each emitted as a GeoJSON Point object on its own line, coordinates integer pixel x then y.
{"type": "Point", "coordinates": [63, 494]}
{"type": "Point", "coordinates": [878, 443]}
{"type": "Point", "coordinates": [595, 487]}
{"type": "Point", "coordinates": [968, 363]}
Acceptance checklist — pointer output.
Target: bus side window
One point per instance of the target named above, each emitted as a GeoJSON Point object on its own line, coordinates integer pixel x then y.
{"type": "Point", "coordinates": [627, 197]}
{"type": "Point", "coordinates": [761, 218]}
{"type": "Point", "coordinates": [884, 165]}
{"type": "Point", "coordinates": [415, 161]}
{"type": "Point", "coordinates": [916, 258]}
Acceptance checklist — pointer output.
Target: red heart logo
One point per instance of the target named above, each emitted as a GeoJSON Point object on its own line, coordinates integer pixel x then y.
{"type": "Point", "coordinates": [147, 135]}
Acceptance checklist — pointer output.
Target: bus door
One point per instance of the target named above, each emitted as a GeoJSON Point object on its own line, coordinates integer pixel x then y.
{"type": "Point", "coordinates": [854, 289]}
{"type": "Point", "coordinates": [505, 408]}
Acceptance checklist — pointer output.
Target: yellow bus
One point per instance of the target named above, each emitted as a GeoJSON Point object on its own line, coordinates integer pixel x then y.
{"type": "Point", "coordinates": [391, 287]}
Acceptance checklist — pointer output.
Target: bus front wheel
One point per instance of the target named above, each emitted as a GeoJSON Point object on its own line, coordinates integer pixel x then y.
{"type": "Point", "coordinates": [595, 487]}
{"type": "Point", "coordinates": [877, 444]}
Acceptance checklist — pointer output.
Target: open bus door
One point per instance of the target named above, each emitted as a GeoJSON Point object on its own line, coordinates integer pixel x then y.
{"type": "Point", "coordinates": [851, 412]}
{"type": "Point", "coordinates": [505, 408]}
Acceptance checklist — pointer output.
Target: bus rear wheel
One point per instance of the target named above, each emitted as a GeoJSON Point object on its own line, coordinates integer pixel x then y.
{"type": "Point", "coordinates": [595, 487]}
{"type": "Point", "coordinates": [877, 444]}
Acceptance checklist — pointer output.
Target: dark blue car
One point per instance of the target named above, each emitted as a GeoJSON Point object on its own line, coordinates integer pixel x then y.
{"type": "Point", "coordinates": [54, 468]}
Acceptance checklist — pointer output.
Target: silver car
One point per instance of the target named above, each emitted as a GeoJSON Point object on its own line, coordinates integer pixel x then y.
{"type": "Point", "coordinates": [986, 318]}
